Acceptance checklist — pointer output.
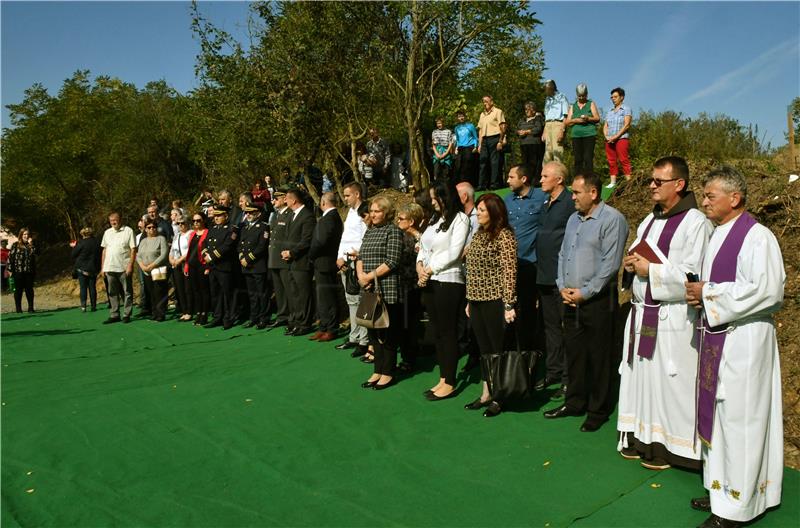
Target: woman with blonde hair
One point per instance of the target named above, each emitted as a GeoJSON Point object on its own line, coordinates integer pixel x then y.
{"type": "Point", "coordinates": [86, 254]}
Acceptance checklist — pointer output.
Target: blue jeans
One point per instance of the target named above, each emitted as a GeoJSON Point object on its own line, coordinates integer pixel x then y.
{"type": "Point", "coordinates": [88, 283]}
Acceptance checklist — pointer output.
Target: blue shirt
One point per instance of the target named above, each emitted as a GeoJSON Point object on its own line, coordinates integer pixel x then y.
{"type": "Point", "coordinates": [616, 120]}
{"type": "Point", "coordinates": [523, 216]}
{"type": "Point", "coordinates": [556, 107]}
{"type": "Point", "coordinates": [466, 135]}
{"type": "Point", "coordinates": [591, 253]}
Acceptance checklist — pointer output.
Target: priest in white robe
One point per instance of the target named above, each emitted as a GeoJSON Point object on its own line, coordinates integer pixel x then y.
{"type": "Point", "coordinates": [739, 409]}
{"type": "Point", "coordinates": [656, 417]}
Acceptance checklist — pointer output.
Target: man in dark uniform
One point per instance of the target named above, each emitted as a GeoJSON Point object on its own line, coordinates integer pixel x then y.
{"type": "Point", "coordinates": [253, 246]}
{"type": "Point", "coordinates": [279, 268]}
{"type": "Point", "coordinates": [220, 254]}
{"type": "Point", "coordinates": [295, 252]}
{"type": "Point", "coordinates": [323, 252]}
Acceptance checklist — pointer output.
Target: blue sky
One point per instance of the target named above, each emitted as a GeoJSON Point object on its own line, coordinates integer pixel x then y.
{"type": "Point", "coordinates": [737, 58]}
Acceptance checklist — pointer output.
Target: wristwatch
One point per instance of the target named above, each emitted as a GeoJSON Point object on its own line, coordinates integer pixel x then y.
{"type": "Point", "coordinates": [508, 307]}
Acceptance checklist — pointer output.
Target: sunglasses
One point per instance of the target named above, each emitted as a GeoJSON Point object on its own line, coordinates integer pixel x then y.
{"type": "Point", "coordinates": [659, 183]}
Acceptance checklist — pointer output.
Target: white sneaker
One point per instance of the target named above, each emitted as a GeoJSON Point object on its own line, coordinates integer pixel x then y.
{"type": "Point", "coordinates": [611, 185]}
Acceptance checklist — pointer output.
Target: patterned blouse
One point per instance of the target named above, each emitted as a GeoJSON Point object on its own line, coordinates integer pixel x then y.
{"type": "Point", "coordinates": [22, 258]}
{"type": "Point", "coordinates": [383, 245]}
{"type": "Point", "coordinates": [492, 267]}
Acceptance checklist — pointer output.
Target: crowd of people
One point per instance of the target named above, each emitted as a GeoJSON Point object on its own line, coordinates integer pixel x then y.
{"type": "Point", "coordinates": [698, 356]}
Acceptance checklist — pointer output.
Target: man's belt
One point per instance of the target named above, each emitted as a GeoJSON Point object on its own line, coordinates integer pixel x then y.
{"type": "Point", "coordinates": [554, 120]}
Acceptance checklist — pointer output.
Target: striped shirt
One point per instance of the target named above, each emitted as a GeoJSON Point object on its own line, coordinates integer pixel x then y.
{"type": "Point", "coordinates": [442, 137]}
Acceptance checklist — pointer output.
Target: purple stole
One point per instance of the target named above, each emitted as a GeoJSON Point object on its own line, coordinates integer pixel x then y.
{"type": "Point", "coordinates": [723, 269]}
{"type": "Point", "coordinates": [649, 330]}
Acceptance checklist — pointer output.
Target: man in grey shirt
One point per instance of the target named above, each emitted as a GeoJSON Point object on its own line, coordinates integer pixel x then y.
{"type": "Point", "coordinates": [588, 263]}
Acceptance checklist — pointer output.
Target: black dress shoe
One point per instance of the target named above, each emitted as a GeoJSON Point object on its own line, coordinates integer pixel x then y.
{"type": "Point", "coordinates": [543, 384]}
{"type": "Point", "coordinates": [276, 324]}
{"type": "Point", "coordinates": [477, 404]}
{"type": "Point", "coordinates": [559, 394]}
{"type": "Point", "coordinates": [433, 397]}
{"type": "Point", "coordinates": [590, 426]}
{"type": "Point", "coordinates": [227, 326]}
{"type": "Point", "coordinates": [213, 324]}
{"type": "Point", "coordinates": [110, 320]}
{"type": "Point", "coordinates": [561, 412]}
{"type": "Point", "coordinates": [492, 410]}
{"type": "Point", "coordinates": [367, 359]}
{"type": "Point", "coordinates": [346, 345]}
{"type": "Point", "coordinates": [289, 331]}
{"type": "Point", "coordinates": [368, 384]}
{"type": "Point", "coordinates": [301, 331]}
{"type": "Point", "coordinates": [249, 324]}
{"type": "Point", "coordinates": [359, 351]}
{"type": "Point", "coordinates": [715, 521]}
{"type": "Point", "coordinates": [701, 503]}
{"type": "Point", "coordinates": [126, 320]}
{"type": "Point", "coordinates": [378, 386]}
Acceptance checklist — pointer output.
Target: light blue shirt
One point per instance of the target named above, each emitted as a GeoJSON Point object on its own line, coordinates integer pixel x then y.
{"type": "Point", "coordinates": [591, 252]}
{"type": "Point", "coordinates": [556, 107]}
{"type": "Point", "coordinates": [466, 135]}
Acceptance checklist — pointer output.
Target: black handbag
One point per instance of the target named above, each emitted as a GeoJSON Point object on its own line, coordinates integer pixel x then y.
{"type": "Point", "coordinates": [351, 285]}
{"type": "Point", "coordinates": [371, 311]}
{"type": "Point", "coordinates": [510, 374]}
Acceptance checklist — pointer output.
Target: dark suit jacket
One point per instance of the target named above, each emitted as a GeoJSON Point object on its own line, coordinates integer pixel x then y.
{"type": "Point", "coordinates": [278, 227]}
{"type": "Point", "coordinates": [298, 239]}
{"type": "Point", "coordinates": [325, 241]}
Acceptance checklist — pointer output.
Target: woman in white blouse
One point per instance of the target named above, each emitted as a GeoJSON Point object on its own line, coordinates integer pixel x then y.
{"type": "Point", "coordinates": [440, 271]}
{"type": "Point", "coordinates": [177, 258]}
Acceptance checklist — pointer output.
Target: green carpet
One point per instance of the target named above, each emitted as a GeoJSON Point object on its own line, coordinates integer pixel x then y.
{"type": "Point", "coordinates": [169, 425]}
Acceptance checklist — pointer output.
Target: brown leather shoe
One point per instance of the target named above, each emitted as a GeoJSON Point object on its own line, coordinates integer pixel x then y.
{"type": "Point", "coordinates": [326, 336]}
{"type": "Point", "coordinates": [316, 336]}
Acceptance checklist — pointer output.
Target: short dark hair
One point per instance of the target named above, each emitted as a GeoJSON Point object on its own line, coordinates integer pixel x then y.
{"type": "Point", "coordinates": [524, 170]}
{"type": "Point", "coordinates": [461, 112]}
{"type": "Point", "coordinates": [357, 186]}
{"type": "Point", "coordinates": [298, 194]}
{"type": "Point", "coordinates": [592, 180]}
{"type": "Point", "coordinates": [498, 214]}
{"type": "Point", "coordinates": [619, 90]}
{"type": "Point", "coordinates": [680, 169]}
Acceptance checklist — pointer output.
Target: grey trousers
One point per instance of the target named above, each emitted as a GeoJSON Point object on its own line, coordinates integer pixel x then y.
{"type": "Point", "coordinates": [120, 284]}
{"type": "Point", "coordinates": [358, 334]}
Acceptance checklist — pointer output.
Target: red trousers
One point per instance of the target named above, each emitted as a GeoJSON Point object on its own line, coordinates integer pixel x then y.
{"type": "Point", "coordinates": [618, 150]}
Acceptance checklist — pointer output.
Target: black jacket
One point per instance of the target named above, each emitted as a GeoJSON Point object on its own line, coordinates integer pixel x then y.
{"type": "Point", "coordinates": [253, 246]}
{"type": "Point", "coordinates": [278, 227]}
{"type": "Point", "coordinates": [325, 241]}
{"type": "Point", "coordinates": [298, 239]}
{"type": "Point", "coordinates": [220, 251]}
{"type": "Point", "coordinates": [86, 255]}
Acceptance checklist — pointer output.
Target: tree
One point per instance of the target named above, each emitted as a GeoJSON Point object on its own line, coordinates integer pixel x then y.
{"type": "Point", "coordinates": [794, 111]}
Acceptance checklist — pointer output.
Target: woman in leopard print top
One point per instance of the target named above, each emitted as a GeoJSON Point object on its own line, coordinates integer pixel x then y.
{"type": "Point", "coordinates": [491, 285]}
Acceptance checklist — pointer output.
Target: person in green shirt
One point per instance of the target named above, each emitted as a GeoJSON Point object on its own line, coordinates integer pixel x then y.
{"type": "Point", "coordinates": [582, 122]}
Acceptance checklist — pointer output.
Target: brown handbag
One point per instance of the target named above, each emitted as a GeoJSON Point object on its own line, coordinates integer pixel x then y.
{"type": "Point", "coordinates": [372, 312]}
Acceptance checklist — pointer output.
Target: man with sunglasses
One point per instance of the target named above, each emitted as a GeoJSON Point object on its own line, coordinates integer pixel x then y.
{"type": "Point", "coordinates": [659, 361]}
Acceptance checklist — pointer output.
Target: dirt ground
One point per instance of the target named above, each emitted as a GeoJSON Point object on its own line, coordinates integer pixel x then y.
{"type": "Point", "coordinates": [774, 201]}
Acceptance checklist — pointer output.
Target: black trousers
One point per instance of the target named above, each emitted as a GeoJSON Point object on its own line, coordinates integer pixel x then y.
{"type": "Point", "coordinates": [489, 325]}
{"type": "Point", "coordinates": [280, 282]}
{"type": "Point", "coordinates": [181, 282]}
{"type": "Point", "coordinates": [443, 299]}
{"type": "Point", "coordinates": [328, 285]}
{"type": "Point", "coordinates": [384, 342]}
{"type": "Point", "coordinates": [23, 282]}
{"type": "Point", "coordinates": [158, 292]}
{"type": "Point", "coordinates": [223, 293]}
{"type": "Point", "coordinates": [409, 335]}
{"type": "Point", "coordinates": [589, 340]}
{"type": "Point", "coordinates": [198, 291]}
{"type": "Point", "coordinates": [441, 171]}
{"type": "Point", "coordinates": [527, 299]}
{"type": "Point", "coordinates": [491, 163]}
{"type": "Point", "coordinates": [467, 345]}
{"type": "Point", "coordinates": [258, 294]}
{"type": "Point", "coordinates": [88, 288]}
{"type": "Point", "coordinates": [532, 156]}
{"type": "Point", "coordinates": [464, 166]}
{"type": "Point", "coordinates": [301, 314]}
{"type": "Point", "coordinates": [552, 309]}
{"type": "Point", "coordinates": [583, 153]}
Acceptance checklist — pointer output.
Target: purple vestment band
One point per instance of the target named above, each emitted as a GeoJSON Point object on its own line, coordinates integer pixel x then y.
{"type": "Point", "coordinates": [649, 329]}
{"type": "Point", "coordinates": [723, 269]}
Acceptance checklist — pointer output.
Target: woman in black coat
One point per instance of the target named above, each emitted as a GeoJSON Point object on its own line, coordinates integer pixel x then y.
{"type": "Point", "coordinates": [86, 254]}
